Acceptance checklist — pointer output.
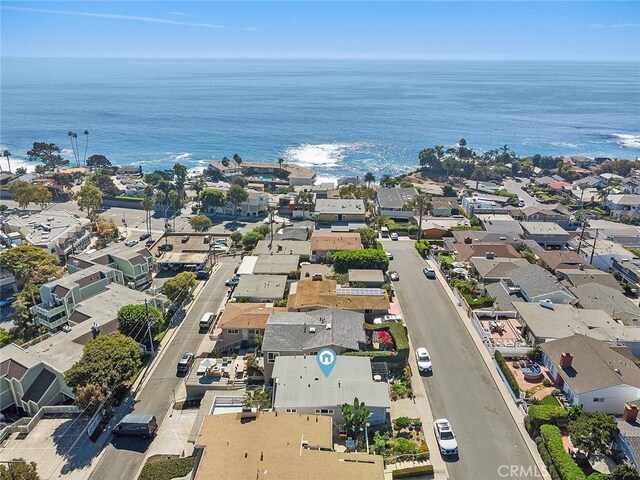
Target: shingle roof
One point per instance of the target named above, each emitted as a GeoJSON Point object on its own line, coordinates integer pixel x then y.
{"type": "Point", "coordinates": [536, 281]}
{"type": "Point", "coordinates": [39, 386]}
{"type": "Point", "coordinates": [500, 250]}
{"type": "Point", "coordinates": [592, 275]}
{"type": "Point", "coordinates": [498, 267]}
{"type": "Point", "coordinates": [12, 369]}
{"type": "Point", "coordinates": [593, 295]}
{"type": "Point", "coordinates": [563, 259]}
{"type": "Point", "coordinates": [396, 197]}
{"type": "Point", "coordinates": [594, 366]}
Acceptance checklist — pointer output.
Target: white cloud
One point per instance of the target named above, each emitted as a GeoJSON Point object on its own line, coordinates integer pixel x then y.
{"type": "Point", "coordinates": [615, 25]}
{"type": "Point", "coordinates": [180, 14]}
{"type": "Point", "coordinates": [112, 16]}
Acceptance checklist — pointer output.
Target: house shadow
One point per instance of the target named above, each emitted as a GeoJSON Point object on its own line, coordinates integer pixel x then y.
{"type": "Point", "coordinates": [72, 443]}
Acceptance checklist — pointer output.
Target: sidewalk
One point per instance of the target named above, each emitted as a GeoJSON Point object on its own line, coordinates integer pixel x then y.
{"type": "Point", "coordinates": [506, 396]}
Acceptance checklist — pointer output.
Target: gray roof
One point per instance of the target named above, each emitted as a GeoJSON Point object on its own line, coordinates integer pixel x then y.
{"type": "Point", "coordinates": [595, 365]}
{"type": "Point", "coordinates": [291, 331]}
{"type": "Point", "coordinates": [340, 206]}
{"type": "Point", "coordinates": [593, 295]}
{"type": "Point", "coordinates": [261, 286]}
{"type": "Point", "coordinates": [276, 264]}
{"type": "Point", "coordinates": [301, 383]}
{"type": "Point", "coordinates": [282, 247]}
{"type": "Point", "coordinates": [299, 234]}
{"type": "Point", "coordinates": [39, 386]}
{"type": "Point", "coordinates": [481, 236]}
{"type": "Point", "coordinates": [536, 281]}
{"type": "Point", "coordinates": [395, 198]}
{"type": "Point", "coordinates": [579, 277]}
{"type": "Point", "coordinates": [499, 223]}
{"type": "Point", "coordinates": [543, 228]}
{"type": "Point", "coordinates": [497, 267]}
{"type": "Point", "coordinates": [504, 301]}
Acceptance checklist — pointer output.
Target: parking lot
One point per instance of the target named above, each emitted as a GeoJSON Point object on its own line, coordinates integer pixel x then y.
{"type": "Point", "coordinates": [187, 243]}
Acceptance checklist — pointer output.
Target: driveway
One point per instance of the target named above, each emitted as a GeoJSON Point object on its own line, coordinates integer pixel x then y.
{"type": "Point", "coordinates": [461, 387]}
{"type": "Point", "coordinates": [124, 456]}
{"type": "Point", "coordinates": [514, 187]}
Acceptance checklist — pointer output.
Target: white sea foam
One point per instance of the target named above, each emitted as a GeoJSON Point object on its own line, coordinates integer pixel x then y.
{"type": "Point", "coordinates": [627, 140]}
{"type": "Point", "coordinates": [319, 155]}
{"type": "Point", "coordinates": [565, 144]}
{"type": "Point", "coordinates": [181, 156]}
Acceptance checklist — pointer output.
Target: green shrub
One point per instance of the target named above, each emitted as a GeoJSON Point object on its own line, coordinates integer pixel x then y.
{"type": "Point", "coordinates": [416, 471]}
{"type": "Point", "coordinates": [368, 259]}
{"type": "Point", "coordinates": [421, 247]}
{"type": "Point", "coordinates": [167, 469]}
{"type": "Point", "coordinates": [513, 383]}
{"type": "Point", "coordinates": [546, 414]}
{"type": "Point", "coordinates": [567, 468]}
{"type": "Point", "coordinates": [403, 446]}
{"type": "Point", "coordinates": [546, 458]}
{"type": "Point", "coordinates": [402, 227]}
{"type": "Point", "coordinates": [399, 333]}
{"type": "Point", "coordinates": [480, 302]}
{"type": "Point", "coordinates": [401, 422]}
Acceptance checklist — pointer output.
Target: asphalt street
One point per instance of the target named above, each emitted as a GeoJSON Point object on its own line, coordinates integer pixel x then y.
{"type": "Point", "coordinates": [516, 187]}
{"type": "Point", "coordinates": [461, 387]}
{"type": "Point", "coordinates": [124, 456]}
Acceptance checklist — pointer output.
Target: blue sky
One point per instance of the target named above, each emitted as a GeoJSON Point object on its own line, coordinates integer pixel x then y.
{"type": "Point", "coordinates": [515, 30]}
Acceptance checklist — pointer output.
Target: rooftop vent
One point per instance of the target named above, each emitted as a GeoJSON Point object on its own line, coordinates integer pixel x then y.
{"type": "Point", "coordinates": [312, 329]}
{"type": "Point", "coordinates": [546, 303]}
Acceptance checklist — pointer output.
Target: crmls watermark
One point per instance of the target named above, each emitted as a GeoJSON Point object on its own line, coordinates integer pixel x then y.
{"type": "Point", "coordinates": [518, 471]}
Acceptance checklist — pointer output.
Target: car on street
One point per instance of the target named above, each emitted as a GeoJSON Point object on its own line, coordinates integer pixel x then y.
{"type": "Point", "coordinates": [394, 236]}
{"type": "Point", "coordinates": [185, 362]}
{"type": "Point", "coordinates": [131, 243]}
{"type": "Point", "coordinates": [445, 437]}
{"type": "Point", "coordinates": [232, 282]}
{"type": "Point", "coordinates": [144, 236]}
{"type": "Point", "coordinates": [394, 276]}
{"type": "Point", "coordinates": [387, 318]}
{"type": "Point", "coordinates": [136, 425]}
{"type": "Point", "coordinates": [424, 360]}
{"type": "Point", "coordinates": [7, 302]}
{"type": "Point", "coordinates": [202, 274]}
{"type": "Point", "coordinates": [429, 272]}
{"type": "Point", "coordinates": [389, 255]}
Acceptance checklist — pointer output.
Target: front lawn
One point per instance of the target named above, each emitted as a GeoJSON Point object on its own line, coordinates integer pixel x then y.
{"type": "Point", "coordinates": [551, 401]}
{"type": "Point", "coordinates": [166, 467]}
{"type": "Point", "coordinates": [446, 258]}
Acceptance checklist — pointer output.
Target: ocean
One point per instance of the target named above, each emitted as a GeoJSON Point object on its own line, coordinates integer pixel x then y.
{"type": "Point", "coordinates": [339, 117]}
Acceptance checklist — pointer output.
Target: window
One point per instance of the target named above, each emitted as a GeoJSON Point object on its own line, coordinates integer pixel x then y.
{"type": "Point", "coordinates": [271, 356]}
{"type": "Point", "coordinates": [598, 400]}
{"type": "Point", "coordinates": [233, 331]}
{"type": "Point", "coordinates": [324, 411]}
{"type": "Point", "coordinates": [292, 410]}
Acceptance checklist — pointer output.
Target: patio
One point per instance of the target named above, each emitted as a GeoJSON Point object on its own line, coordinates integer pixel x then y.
{"type": "Point", "coordinates": [527, 385]}
{"type": "Point", "coordinates": [504, 332]}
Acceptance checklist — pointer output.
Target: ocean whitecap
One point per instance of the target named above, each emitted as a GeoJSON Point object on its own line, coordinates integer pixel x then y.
{"type": "Point", "coordinates": [319, 155]}
{"type": "Point", "coordinates": [627, 140]}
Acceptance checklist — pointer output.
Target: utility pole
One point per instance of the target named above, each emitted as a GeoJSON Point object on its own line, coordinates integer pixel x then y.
{"type": "Point", "coordinates": [146, 307]}
{"type": "Point", "coordinates": [593, 250]}
{"type": "Point", "coordinates": [271, 210]}
{"type": "Point", "coordinates": [584, 224]}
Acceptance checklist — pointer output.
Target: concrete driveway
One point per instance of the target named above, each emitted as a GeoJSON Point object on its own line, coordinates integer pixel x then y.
{"type": "Point", "coordinates": [461, 387]}
{"type": "Point", "coordinates": [516, 187]}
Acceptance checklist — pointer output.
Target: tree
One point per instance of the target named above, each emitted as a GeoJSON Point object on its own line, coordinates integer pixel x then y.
{"type": "Point", "coordinates": [448, 191]}
{"type": "Point", "coordinates": [368, 237]}
{"type": "Point", "coordinates": [173, 200]}
{"type": "Point", "coordinates": [178, 288]}
{"type": "Point", "coordinates": [86, 146]}
{"type": "Point", "coordinates": [40, 169]}
{"type": "Point", "coordinates": [369, 177]}
{"type": "Point", "coordinates": [102, 179]}
{"type": "Point", "coordinates": [368, 259]}
{"type": "Point", "coordinates": [304, 201]}
{"type": "Point", "coordinates": [200, 223]}
{"type": "Point", "coordinates": [106, 360]}
{"type": "Point", "coordinates": [107, 228]}
{"type": "Point", "coordinates": [238, 159]}
{"type": "Point", "coordinates": [421, 204]}
{"type": "Point", "coordinates": [236, 195]}
{"type": "Point", "coordinates": [225, 162]}
{"type": "Point", "coordinates": [625, 472]}
{"type": "Point", "coordinates": [21, 171]}
{"type": "Point", "coordinates": [73, 148]}
{"type": "Point", "coordinates": [235, 237]}
{"type": "Point", "coordinates": [19, 469]}
{"type": "Point", "coordinates": [387, 181]}
{"type": "Point", "coordinates": [22, 193]}
{"type": "Point", "coordinates": [48, 154]}
{"type": "Point", "coordinates": [463, 152]}
{"type": "Point", "coordinates": [41, 195]}
{"type": "Point", "coordinates": [6, 154]}
{"type": "Point", "coordinates": [210, 199]}
{"type": "Point", "coordinates": [89, 198]}
{"type": "Point", "coordinates": [251, 239]}
{"type": "Point", "coordinates": [30, 257]}
{"type": "Point", "coordinates": [180, 173]}
{"type": "Point", "coordinates": [428, 158]}
{"type": "Point", "coordinates": [135, 320]}
{"type": "Point", "coordinates": [199, 185]}
{"type": "Point", "coordinates": [91, 396]}
{"type": "Point", "coordinates": [148, 205]}
{"type": "Point", "coordinates": [98, 161]}
{"type": "Point", "coordinates": [593, 432]}
{"type": "Point", "coordinates": [257, 398]}
{"type": "Point", "coordinates": [355, 418]}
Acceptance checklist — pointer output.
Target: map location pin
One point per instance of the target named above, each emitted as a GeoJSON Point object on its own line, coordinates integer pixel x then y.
{"type": "Point", "coordinates": [326, 360]}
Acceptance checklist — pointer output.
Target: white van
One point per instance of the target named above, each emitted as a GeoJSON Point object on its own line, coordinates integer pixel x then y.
{"type": "Point", "coordinates": [207, 318]}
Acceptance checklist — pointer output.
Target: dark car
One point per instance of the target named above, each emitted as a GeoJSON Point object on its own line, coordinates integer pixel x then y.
{"type": "Point", "coordinates": [165, 247]}
{"type": "Point", "coordinates": [144, 236]}
{"type": "Point", "coordinates": [7, 302]}
{"type": "Point", "coordinates": [232, 282]}
{"type": "Point", "coordinates": [185, 239]}
{"type": "Point", "coordinates": [136, 425]}
{"type": "Point", "coordinates": [185, 362]}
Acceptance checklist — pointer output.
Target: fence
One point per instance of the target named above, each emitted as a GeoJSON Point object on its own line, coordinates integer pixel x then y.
{"type": "Point", "coordinates": [27, 424]}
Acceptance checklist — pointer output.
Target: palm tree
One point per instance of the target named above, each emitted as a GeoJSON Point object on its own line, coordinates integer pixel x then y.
{"type": "Point", "coordinates": [198, 186]}
{"type": "Point", "coordinates": [280, 162]}
{"type": "Point", "coordinates": [86, 145]}
{"type": "Point", "coordinates": [6, 154]}
{"type": "Point", "coordinates": [439, 151]}
{"type": "Point", "coordinates": [369, 177]}
{"type": "Point", "coordinates": [225, 162]}
{"type": "Point", "coordinates": [421, 203]}
{"type": "Point", "coordinates": [173, 199]}
{"type": "Point", "coordinates": [73, 148]}
{"type": "Point", "coordinates": [238, 159]}
{"type": "Point", "coordinates": [355, 418]}
{"type": "Point", "coordinates": [148, 206]}
{"type": "Point", "coordinates": [75, 137]}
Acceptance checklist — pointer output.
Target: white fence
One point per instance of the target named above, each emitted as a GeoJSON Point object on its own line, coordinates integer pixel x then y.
{"type": "Point", "coordinates": [26, 424]}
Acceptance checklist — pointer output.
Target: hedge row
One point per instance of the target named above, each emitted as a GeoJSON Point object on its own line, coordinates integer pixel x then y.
{"type": "Point", "coordinates": [564, 464]}
{"type": "Point", "coordinates": [402, 227]}
{"type": "Point", "coordinates": [480, 302]}
{"type": "Point", "coordinates": [546, 458]}
{"type": "Point", "coordinates": [167, 469]}
{"type": "Point", "coordinates": [546, 414]}
{"type": "Point", "coordinates": [421, 246]}
{"type": "Point", "coordinates": [368, 259]}
{"type": "Point", "coordinates": [412, 471]}
{"type": "Point", "coordinates": [502, 363]}
{"type": "Point", "coordinates": [127, 199]}
{"type": "Point", "coordinates": [379, 356]}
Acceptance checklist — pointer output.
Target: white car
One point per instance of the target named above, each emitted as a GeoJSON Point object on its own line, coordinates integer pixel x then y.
{"type": "Point", "coordinates": [131, 243]}
{"type": "Point", "coordinates": [424, 360]}
{"type": "Point", "coordinates": [387, 318]}
{"type": "Point", "coordinates": [445, 437]}
{"type": "Point", "coordinates": [389, 255]}
{"type": "Point", "coordinates": [394, 236]}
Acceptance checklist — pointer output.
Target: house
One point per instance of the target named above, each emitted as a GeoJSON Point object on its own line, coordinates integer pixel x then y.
{"type": "Point", "coordinates": [366, 278]}
{"type": "Point", "coordinates": [266, 173]}
{"type": "Point", "coordinates": [534, 283]}
{"type": "Point", "coordinates": [301, 387]}
{"type": "Point", "coordinates": [269, 265]}
{"type": "Point", "coordinates": [136, 263]}
{"type": "Point", "coordinates": [496, 269]}
{"type": "Point", "coordinates": [547, 234]}
{"type": "Point", "coordinates": [562, 260]}
{"type": "Point", "coordinates": [612, 301]}
{"type": "Point", "coordinates": [464, 251]}
{"type": "Point", "coordinates": [283, 247]}
{"type": "Point", "coordinates": [630, 185]}
{"type": "Point", "coordinates": [129, 186]}
{"type": "Point", "coordinates": [242, 445]}
{"type": "Point", "coordinates": [556, 213]}
{"type": "Point", "coordinates": [242, 322]}
{"type": "Point", "coordinates": [485, 204]}
{"type": "Point", "coordinates": [574, 277]}
{"type": "Point", "coordinates": [592, 374]}
{"type": "Point", "coordinates": [129, 170]}
{"type": "Point", "coordinates": [321, 190]}
{"type": "Point", "coordinates": [306, 333]}
{"type": "Point", "coordinates": [481, 236]}
{"type": "Point", "coordinates": [57, 231]}
{"type": "Point", "coordinates": [261, 288]}
{"type": "Point", "coordinates": [310, 270]}
{"type": "Point", "coordinates": [628, 270]}
{"type": "Point", "coordinates": [310, 294]}
{"type": "Point", "coordinates": [625, 235]}
{"type": "Point", "coordinates": [499, 223]}
{"type": "Point", "coordinates": [591, 181]}
{"type": "Point", "coordinates": [327, 243]}
{"type": "Point", "coordinates": [444, 206]}
{"type": "Point", "coordinates": [391, 202]}
{"type": "Point", "coordinates": [622, 203]}
{"type": "Point", "coordinates": [629, 433]}
{"type": "Point", "coordinates": [294, 233]}
{"type": "Point", "coordinates": [330, 210]}
{"type": "Point", "coordinates": [439, 227]}
{"type": "Point", "coordinates": [485, 187]}
{"type": "Point", "coordinates": [601, 253]}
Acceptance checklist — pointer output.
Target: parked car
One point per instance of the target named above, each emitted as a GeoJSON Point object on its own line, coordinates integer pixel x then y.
{"type": "Point", "coordinates": [185, 362]}
{"type": "Point", "coordinates": [136, 425]}
{"type": "Point", "coordinates": [394, 236]}
{"type": "Point", "coordinates": [389, 255]}
{"type": "Point", "coordinates": [232, 282]}
{"type": "Point", "coordinates": [165, 247]}
{"type": "Point", "coordinates": [424, 360]}
{"type": "Point", "coordinates": [149, 242]}
{"type": "Point", "coordinates": [394, 276]}
{"type": "Point", "coordinates": [429, 272]}
{"type": "Point", "coordinates": [144, 236]}
{"type": "Point", "coordinates": [202, 274]}
{"type": "Point", "coordinates": [131, 243]}
{"type": "Point", "coordinates": [185, 239]}
{"type": "Point", "coordinates": [205, 321]}
{"type": "Point", "coordinates": [445, 437]}
{"type": "Point", "coordinates": [7, 302]}
{"type": "Point", "coordinates": [387, 318]}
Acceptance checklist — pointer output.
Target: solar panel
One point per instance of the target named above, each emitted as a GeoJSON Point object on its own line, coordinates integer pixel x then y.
{"type": "Point", "coordinates": [360, 291]}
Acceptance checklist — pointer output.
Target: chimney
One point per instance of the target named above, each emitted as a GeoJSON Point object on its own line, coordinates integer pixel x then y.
{"type": "Point", "coordinates": [630, 412]}
{"type": "Point", "coordinates": [467, 240]}
{"type": "Point", "coordinates": [489, 255]}
{"type": "Point", "coordinates": [565, 360]}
